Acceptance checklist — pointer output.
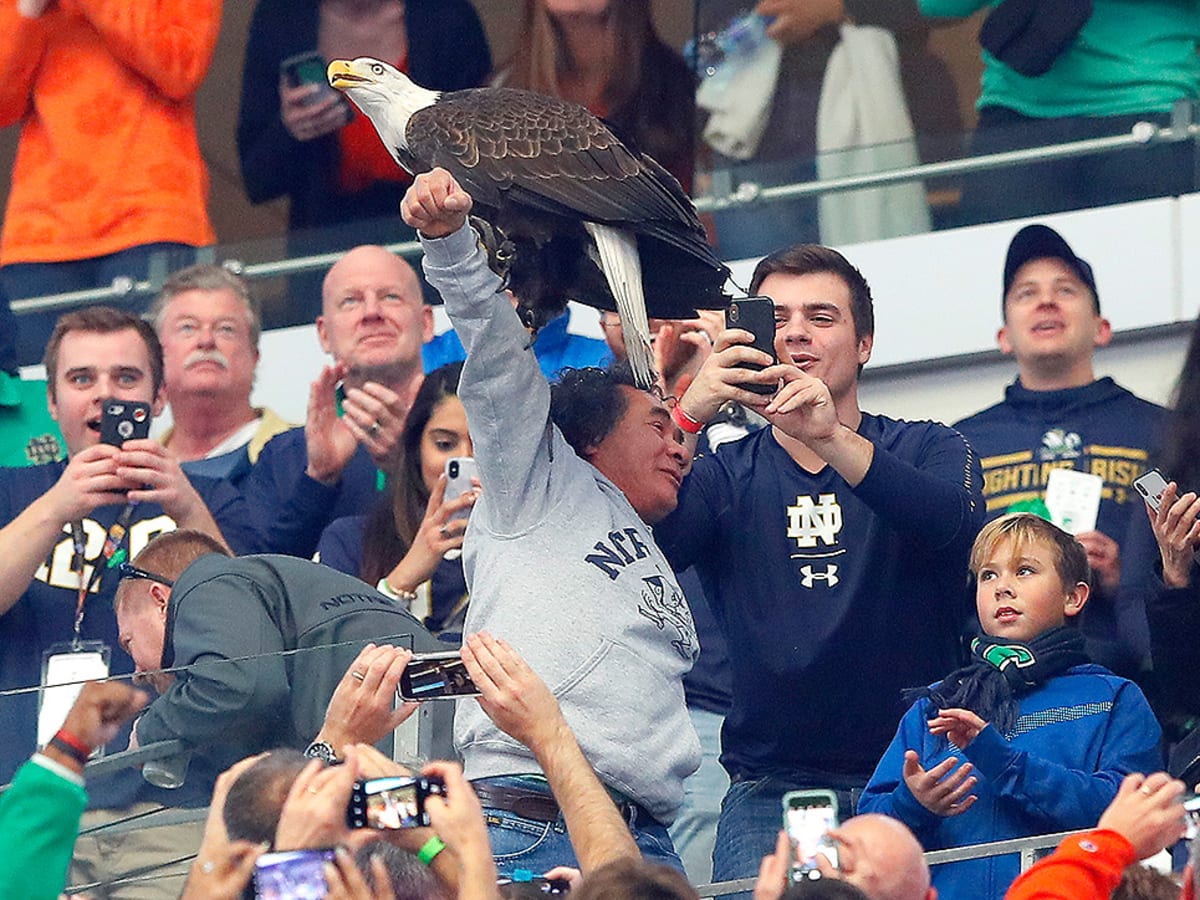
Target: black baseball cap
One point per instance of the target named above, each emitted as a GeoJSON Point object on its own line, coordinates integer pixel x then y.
{"type": "Point", "coordinates": [1041, 242]}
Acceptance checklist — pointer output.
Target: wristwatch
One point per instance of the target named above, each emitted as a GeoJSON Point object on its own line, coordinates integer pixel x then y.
{"type": "Point", "coordinates": [321, 750]}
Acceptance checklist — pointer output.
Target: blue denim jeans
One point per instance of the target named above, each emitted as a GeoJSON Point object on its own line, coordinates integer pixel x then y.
{"type": "Point", "coordinates": [695, 828]}
{"type": "Point", "coordinates": [751, 817]}
{"type": "Point", "coordinates": [536, 847]}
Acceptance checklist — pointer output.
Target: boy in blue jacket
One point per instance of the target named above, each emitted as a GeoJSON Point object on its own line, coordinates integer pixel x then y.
{"type": "Point", "coordinates": [1047, 736]}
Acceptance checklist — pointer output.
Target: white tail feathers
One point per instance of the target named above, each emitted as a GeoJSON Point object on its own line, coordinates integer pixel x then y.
{"type": "Point", "coordinates": [623, 271]}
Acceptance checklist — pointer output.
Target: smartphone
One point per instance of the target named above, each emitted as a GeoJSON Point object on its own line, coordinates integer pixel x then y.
{"type": "Point", "coordinates": [1151, 486]}
{"type": "Point", "coordinates": [533, 885]}
{"type": "Point", "coordinates": [124, 420]}
{"type": "Point", "coordinates": [808, 817]}
{"type": "Point", "coordinates": [291, 873]}
{"type": "Point", "coordinates": [460, 470]}
{"type": "Point", "coordinates": [434, 676]}
{"type": "Point", "coordinates": [757, 316]}
{"type": "Point", "coordinates": [388, 804]}
{"type": "Point", "coordinates": [309, 68]}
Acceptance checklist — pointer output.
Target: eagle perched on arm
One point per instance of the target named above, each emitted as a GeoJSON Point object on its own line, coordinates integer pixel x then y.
{"type": "Point", "coordinates": [580, 215]}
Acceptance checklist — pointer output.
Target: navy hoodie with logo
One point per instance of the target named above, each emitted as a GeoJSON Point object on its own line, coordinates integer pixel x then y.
{"type": "Point", "coordinates": [1100, 428]}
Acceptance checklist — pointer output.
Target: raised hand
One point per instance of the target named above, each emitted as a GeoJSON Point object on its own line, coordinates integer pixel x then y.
{"type": "Point", "coordinates": [943, 790]}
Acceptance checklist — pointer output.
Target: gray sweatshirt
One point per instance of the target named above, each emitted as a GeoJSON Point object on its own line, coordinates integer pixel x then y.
{"type": "Point", "coordinates": [561, 566]}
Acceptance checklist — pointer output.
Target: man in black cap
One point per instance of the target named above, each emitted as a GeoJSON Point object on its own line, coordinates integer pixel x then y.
{"type": "Point", "coordinates": [1058, 414]}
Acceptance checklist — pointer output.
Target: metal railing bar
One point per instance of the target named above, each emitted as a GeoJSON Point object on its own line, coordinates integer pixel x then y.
{"type": "Point", "coordinates": [114, 762]}
{"type": "Point", "coordinates": [748, 193]}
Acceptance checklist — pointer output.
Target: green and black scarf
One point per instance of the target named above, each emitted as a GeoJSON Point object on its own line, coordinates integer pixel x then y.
{"type": "Point", "coordinates": [1002, 671]}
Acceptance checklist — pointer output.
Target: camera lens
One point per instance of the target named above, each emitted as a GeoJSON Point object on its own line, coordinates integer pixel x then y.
{"type": "Point", "coordinates": [454, 468]}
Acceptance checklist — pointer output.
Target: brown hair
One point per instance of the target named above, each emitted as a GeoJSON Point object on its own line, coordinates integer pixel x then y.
{"type": "Point", "coordinates": [813, 259]}
{"type": "Point", "coordinates": [101, 320]}
{"type": "Point", "coordinates": [393, 524]}
{"type": "Point", "coordinates": [1023, 529]}
{"type": "Point", "coordinates": [170, 553]}
{"type": "Point", "coordinates": [634, 879]}
{"type": "Point", "coordinates": [650, 95]}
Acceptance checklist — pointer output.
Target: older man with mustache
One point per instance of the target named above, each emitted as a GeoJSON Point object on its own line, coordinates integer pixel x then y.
{"type": "Point", "coordinates": [209, 326]}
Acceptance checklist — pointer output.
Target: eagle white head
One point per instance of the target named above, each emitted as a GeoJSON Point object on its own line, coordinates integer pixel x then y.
{"type": "Point", "coordinates": [386, 95]}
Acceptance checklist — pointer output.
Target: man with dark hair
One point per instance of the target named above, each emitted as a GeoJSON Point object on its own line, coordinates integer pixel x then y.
{"type": "Point", "coordinates": [67, 523]}
{"type": "Point", "coordinates": [1058, 415]}
{"type": "Point", "coordinates": [561, 560]}
{"type": "Point", "coordinates": [831, 547]}
{"type": "Point", "coordinates": [209, 325]}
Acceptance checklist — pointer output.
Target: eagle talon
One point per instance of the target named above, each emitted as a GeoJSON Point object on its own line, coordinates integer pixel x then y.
{"type": "Point", "coordinates": [500, 250]}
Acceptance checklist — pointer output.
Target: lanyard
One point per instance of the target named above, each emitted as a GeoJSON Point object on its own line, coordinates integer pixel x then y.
{"type": "Point", "coordinates": [112, 540]}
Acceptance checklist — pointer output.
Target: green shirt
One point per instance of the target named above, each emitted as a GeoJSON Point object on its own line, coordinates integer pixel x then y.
{"type": "Point", "coordinates": [1132, 56]}
{"type": "Point", "coordinates": [28, 435]}
{"type": "Point", "coordinates": [39, 819]}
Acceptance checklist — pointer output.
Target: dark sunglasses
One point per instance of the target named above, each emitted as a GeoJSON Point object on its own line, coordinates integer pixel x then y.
{"type": "Point", "coordinates": [127, 570]}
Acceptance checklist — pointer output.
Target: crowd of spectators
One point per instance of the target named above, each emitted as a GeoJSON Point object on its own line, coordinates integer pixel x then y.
{"type": "Point", "coordinates": [740, 564]}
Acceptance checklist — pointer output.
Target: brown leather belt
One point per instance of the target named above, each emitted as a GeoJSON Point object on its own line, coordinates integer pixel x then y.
{"type": "Point", "coordinates": [537, 806]}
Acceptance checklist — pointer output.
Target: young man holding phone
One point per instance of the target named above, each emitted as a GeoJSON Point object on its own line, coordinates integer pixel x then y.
{"type": "Point", "coordinates": [101, 494]}
{"type": "Point", "coordinates": [832, 547]}
{"type": "Point", "coordinates": [561, 561]}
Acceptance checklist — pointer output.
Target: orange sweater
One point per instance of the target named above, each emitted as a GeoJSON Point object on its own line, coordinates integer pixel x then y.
{"type": "Point", "coordinates": [108, 157]}
{"type": "Point", "coordinates": [1085, 866]}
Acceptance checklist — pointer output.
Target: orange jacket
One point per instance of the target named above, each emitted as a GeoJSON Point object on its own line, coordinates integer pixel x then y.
{"type": "Point", "coordinates": [108, 157]}
{"type": "Point", "coordinates": [1086, 866]}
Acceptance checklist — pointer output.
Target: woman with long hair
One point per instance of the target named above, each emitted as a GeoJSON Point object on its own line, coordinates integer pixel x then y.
{"type": "Point", "coordinates": [409, 544]}
{"type": "Point", "coordinates": [607, 56]}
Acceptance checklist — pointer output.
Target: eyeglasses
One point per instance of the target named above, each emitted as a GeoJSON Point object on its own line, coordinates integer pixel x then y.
{"type": "Point", "coordinates": [126, 570]}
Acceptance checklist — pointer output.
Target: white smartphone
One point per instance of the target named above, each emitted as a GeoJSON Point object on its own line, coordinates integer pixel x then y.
{"type": "Point", "coordinates": [808, 817]}
{"type": "Point", "coordinates": [1151, 486]}
{"type": "Point", "coordinates": [461, 472]}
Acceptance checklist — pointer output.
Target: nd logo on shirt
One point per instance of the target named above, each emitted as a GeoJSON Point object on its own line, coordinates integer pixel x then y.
{"type": "Point", "coordinates": [814, 524]}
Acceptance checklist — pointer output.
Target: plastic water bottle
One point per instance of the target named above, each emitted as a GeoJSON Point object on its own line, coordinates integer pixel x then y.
{"type": "Point", "coordinates": [718, 54]}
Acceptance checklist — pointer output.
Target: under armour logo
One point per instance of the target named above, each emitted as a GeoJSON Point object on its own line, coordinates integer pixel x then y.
{"type": "Point", "coordinates": [808, 521]}
{"type": "Point", "coordinates": [829, 576]}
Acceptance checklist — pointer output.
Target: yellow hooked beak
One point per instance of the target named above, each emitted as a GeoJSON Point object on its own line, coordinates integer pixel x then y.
{"type": "Point", "coordinates": [342, 75]}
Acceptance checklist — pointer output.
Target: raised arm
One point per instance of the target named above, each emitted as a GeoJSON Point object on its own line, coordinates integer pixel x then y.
{"type": "Point", "coordinates": [503, 390]}
{"type": "Point", "coordinates": [522, 706]}
{"type": "Point", "coordinates": [22, 42]}
{"type": "Point", "coordinates": [169, 43]}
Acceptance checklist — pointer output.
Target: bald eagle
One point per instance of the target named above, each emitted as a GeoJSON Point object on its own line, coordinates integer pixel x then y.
{"type": "Point", "coordinates": [580, 215]}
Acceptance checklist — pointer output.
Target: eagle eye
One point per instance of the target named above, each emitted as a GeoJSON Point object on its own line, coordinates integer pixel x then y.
{"type": "Point", "coordinates": [377, 69]}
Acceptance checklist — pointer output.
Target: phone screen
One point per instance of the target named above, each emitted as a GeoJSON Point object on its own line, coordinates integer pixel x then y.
{"type": "Point", "coordinates": [291, 874]}
{"type": "Point", "coordinates": [435, 675]}
{"type": "Point", "coordinates": [808, 820]}
{"type": "Point", "coordinates": [387, 804]}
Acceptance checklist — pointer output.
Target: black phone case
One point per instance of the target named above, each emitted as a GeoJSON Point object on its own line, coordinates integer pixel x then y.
{"type": "Point", "coordinates": [757, 316]}
{"type": "Point", "coordinates": [124, 420]}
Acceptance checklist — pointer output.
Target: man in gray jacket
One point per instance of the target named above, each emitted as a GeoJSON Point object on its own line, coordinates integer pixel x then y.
{"type": "Point", "coordinates": [561, 561]}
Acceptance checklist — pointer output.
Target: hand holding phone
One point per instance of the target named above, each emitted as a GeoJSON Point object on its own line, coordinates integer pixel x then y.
{"type": "Point", "coordinates": [1151, 486]}
{"type": "Point", "coordinates": [124, 420]}
{"type": "Point", "coordinates": [808, 817]}
{"type": "Point", "coordinates": [436, 676]}
{"type": "Point", "coordinates": [461, 474]}
{"type": "Point", "coordinates": [291, 873]}
{"type": "Point", "coordinates": [316, 112]}
{"type": "Point", "coordinates": [757, 316]}
{"type": "Point", "coordinates": [389, 804]}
